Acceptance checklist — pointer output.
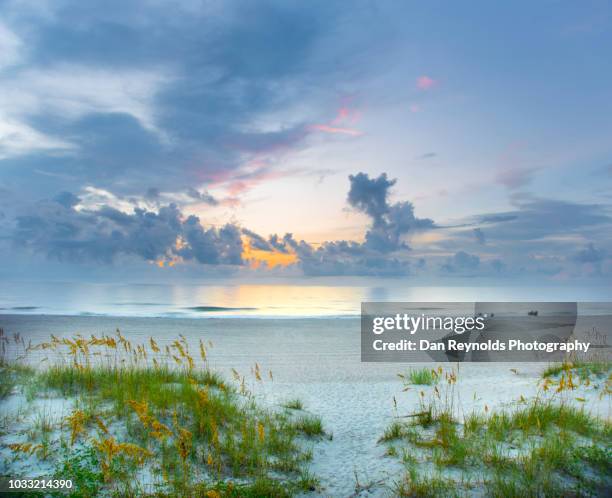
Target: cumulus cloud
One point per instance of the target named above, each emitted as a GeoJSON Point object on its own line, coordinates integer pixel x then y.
{"type": "Point", "coordinates": [257, 241]}
{"type": "Point", "coordinates": [390, 222]}
{"type": "Point", "coordinates": [211, 246]}
{"type": "Point", "coordinates": [461, 262]}
{"type": "Point", "coordinates": [62, 232]}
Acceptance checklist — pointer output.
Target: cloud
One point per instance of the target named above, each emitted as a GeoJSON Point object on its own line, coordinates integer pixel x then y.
{"type": "Point", "coordinates": [211, 246]}
{"type": "Point", "coordinates": [514, 177]}
{"type": "Point", "coordinates": [590, 254]}
{"type": "Point", "coordinates": [462, 262]}
{"type": "Point", "coordinates": [425, 82]}
{"type": "Point", "coordinates": [538, 218]}
{"type": "Point", "coordinates": [257, 241]}
{"type": "Point", "coordinates": [370, 195]}
{"type": "Point", "coordinates": [344, 258]}
{"type": "Point", "coordinates": [11, 47]}
{"type": "Point", "coordinates": [18, 138]}
{"type": "Point", "coordinates": [479, 236]}
{"type": "Point", "coordinates": [498, 265]}
{"type": "Point", "coordinates": [60, 231]}
{"type": "Point", "coordinates": [428, 155]}
{"type": "Point", "coordinates": [69, 92]}
{"type": "Point", "coordinates": [336, 130]}
{"type": "Point", "coordinates": [202, 196]}
{"type": "Point", "coordinates": [101, 227]}
{"type": "Point", "coordinates": [67, 199]}
{"type": "Point", "coordinates": [163, 96]}
{"type": "Point", "coordinates": [390, 222]}
{"type": "Point", "coordinates": [345, 116]}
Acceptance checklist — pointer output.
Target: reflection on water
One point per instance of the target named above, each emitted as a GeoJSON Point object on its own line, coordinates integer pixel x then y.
{"type": "Point", "coordinates": [254, 300]}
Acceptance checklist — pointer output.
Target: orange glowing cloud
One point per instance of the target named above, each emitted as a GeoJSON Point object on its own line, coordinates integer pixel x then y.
{"type": "Point", "coordinates": [163, 263]}
{"type": "Point", "coordinates": [257, 257]}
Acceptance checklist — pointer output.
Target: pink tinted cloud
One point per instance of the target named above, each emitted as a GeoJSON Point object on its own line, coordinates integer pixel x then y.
{"type": "Point", "coordinates": [334, 129]}
{"type": "Point", "coordinates": [415, 108]}
{"type": "Point", "coordinates": [425, 82]}
{"type": "Point", "coordinates": [346, 115]}
{"type": "Point", "coordinates": [342, 123]}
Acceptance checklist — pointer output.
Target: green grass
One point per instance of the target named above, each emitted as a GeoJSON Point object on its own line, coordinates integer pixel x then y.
{"type": "Point", "coordinates": [293, 404]}
{"type": "Point", "coordinates": [193, 430]}
{"type": "Point", "coordinates": [539, 416]}
{"type": "Point", "coordinates": [12, 375]}
{"type": "Point", "coordinates": [417, 486]}
{"type": "Point", "coordinates": [310, 425]}
{"type": "Point", "coordinates": [584, 369]}
{"type": "Point", "coordinates": [421, 377]}
{"type": "Point", "coordinates": [394, 431]}
{"type": "Point", "coordinates": [544, 448]}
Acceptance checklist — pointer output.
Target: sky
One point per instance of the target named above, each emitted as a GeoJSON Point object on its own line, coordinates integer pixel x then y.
{"type": "Point", "coordinates": [424, 140]}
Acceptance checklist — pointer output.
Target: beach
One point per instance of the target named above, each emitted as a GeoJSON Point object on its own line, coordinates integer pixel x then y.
{"type": "Point", "coordinates": [318, 361]}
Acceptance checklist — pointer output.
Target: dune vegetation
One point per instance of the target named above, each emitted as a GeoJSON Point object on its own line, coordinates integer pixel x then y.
{"type": "Point", "coordinates": [147, 420]}
{"type": "Point", "coordinates": [581, 368]}
{"type": "Point", "coordinates": [545, 446]}
{"type": "Point", "coordinates": [420, 376]}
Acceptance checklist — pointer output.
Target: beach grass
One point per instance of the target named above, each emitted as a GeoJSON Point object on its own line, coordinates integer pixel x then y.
{"type": "Point", "coordinates": [420, 376]}
{"type": "Point", "coordinates": [583, 369]}
{"type": "Point", "coordinates": [544, 446]}
{"type": "Point", "coordinates": [293, 404]}
{"type": "Point", "coordinates": [145, 420]}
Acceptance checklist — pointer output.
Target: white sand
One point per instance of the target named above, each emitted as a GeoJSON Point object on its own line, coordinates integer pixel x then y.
{"type": "Point", "coordinates": [318, 361]}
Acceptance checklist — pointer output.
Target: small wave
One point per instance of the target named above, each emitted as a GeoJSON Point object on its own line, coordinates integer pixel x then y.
{"type": "Point", "coordinates": [24, 308]}
{"type": "Point", "coordinates": [205, 309]}
{"type": "Point", "coordinates": [139, 304]}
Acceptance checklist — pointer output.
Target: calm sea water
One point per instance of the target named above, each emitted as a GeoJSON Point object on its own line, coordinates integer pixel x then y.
{"type": "Point", "coordinates": [252, 300]}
